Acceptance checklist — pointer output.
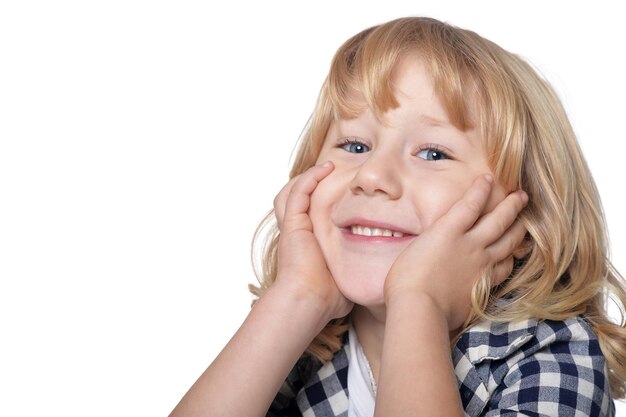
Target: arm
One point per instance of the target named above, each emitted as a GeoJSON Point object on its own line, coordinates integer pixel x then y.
{"type": "Point", "coordinates": [417, 377]}
{"type": "Point", "coordinates": [427, 296]}
{"type": "Point", "coordinates": [245, 377]}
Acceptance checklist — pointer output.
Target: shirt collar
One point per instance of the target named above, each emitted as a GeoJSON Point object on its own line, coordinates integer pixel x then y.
{"type": "Point", "coordinates": [493, 341]}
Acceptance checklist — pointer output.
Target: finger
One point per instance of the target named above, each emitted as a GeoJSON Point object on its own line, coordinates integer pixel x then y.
{"type": "Point", "coordinates": [299, 197]}
{"type": "Point", "coordinates": [467, 210]}
{"type": "Point", "coordinates": [501, 271]}
{"type": "Point", "coordinates": [508, 242]}
{"type": "Point", "coordinates": [493, 225]}
{"type": "Point", "coordinates": [280, 201]}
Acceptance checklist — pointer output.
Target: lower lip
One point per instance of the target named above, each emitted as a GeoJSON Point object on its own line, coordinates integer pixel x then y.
{"type": "Point", "coordinates": [348, 235]}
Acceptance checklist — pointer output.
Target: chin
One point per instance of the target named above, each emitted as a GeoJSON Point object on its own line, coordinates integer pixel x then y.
{"type": "Point", "coordinates": [362, 287]}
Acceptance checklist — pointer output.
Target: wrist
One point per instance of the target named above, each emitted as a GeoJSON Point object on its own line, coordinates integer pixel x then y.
{"type": "Point", "coordinates": [417, 305]}
{"type": "Point", "coordinates": [299, 304]}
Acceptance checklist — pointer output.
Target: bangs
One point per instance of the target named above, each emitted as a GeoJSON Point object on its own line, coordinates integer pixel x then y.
{"type": "Point", "coordinates": [361, 74]}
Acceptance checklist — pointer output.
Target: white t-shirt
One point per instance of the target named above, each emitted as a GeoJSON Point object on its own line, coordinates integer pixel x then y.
{"type": "Point", "coordinates": [361, 384]}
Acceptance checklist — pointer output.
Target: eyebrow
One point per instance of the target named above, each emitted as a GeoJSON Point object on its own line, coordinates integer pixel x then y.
{"type": "Point", "coordinates": [438, 123]}
{"type": "Point", "coordinates": [432, 121]}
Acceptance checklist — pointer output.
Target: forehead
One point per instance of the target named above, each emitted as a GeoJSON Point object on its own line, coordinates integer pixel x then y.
{"type": "Point", "coordinates": [411, 83]}
{"type": "Point", "coordinates": [413, 88]}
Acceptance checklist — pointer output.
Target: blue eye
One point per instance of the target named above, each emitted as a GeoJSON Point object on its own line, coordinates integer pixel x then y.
{"type": "Point", "coordinates": [353, 146]}
{"type": "Point", "coordinates": [432, 154]}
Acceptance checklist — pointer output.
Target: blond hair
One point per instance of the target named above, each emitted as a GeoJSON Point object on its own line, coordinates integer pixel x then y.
{"type": "Point", "coordinates": [529, 144]}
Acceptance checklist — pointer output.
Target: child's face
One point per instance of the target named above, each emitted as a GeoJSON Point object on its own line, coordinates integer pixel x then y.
{"type": "Point", "coordinates": [394, 179]}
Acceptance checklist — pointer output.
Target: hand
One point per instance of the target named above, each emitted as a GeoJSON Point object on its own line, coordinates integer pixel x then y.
{"type": "Point", "coordinates": [301, 264]}
{"type": "Point", "coordinates": [444, 262]}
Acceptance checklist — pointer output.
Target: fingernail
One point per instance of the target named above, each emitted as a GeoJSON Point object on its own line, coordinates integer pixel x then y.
{"type": "Point", "coordinates": [326, 164]}
{"type": "Point", "coordinates": [524, 197]}
{"type": "Point", "coordinates": [489, 178]}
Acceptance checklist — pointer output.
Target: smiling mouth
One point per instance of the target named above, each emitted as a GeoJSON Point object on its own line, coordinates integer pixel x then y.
{"type": "Point", "coordinates": [374, 231]}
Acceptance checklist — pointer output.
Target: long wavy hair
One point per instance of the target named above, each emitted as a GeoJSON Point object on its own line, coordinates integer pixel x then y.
{"type": "Point", "coordinates": [529, 144]}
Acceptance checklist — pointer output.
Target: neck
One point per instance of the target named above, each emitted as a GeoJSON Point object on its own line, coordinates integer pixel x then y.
{"type": "Point", "coordinates": [369, 324]}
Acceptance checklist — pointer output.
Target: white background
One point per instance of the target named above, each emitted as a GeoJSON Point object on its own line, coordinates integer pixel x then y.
{"type": "Point", "coordinates": [142, 141]}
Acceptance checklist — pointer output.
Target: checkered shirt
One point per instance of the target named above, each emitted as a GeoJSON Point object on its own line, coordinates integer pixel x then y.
{"type": "Point", "coordinates": [525, 368]}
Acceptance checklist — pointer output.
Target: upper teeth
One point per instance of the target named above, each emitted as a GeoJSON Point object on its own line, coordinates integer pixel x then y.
{"type": "Point", "coordinates": [374, 231]}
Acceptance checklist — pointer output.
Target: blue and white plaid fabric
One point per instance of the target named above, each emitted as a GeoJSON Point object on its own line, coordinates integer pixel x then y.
{"type": "Point", "coordinates": [526, 368]}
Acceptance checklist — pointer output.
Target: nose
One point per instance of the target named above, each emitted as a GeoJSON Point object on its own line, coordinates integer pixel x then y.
{"type": "Point", "coordinates": [380, 174]}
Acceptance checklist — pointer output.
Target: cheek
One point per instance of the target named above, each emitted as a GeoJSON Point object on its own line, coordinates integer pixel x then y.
{"type": "Point", "coordinates": [435, 198]}
{"type": "Point", "coordinates": [325, 195]}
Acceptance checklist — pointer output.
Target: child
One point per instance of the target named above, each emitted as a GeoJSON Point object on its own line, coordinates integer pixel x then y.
{"type": "Point", "coordinates": [440, 249]}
